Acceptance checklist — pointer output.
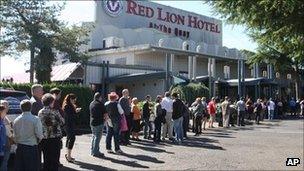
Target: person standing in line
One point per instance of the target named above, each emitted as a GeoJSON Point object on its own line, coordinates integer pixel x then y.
{"type": "Point", "coordinates": [37, 93]}
{"type": "Point", "coordinates": [177, 116]}
{"type": "Point", "coordinates": [257, 110]}
{"type": "Point", "coordinates": [241, 108]}
{"type": "Point", "coordinates": [167, 127]}
{"type": "Point", "coordinates": [205, 112]}
{"type": "Point", "coordinates": [226, 112]}
{"type": "Point", "coordinates": [271, 107]}
{"type": "Point", "coordinates": [97, 114]}
{"type": "Point", "coordinates": [124, 101]}
{"type": "Point", "coordinates": [302, 107]}
{"type": "Point", "coordinates": [114, 111]}
{"type": "Point", "coordinates": [158, 120]}
{"type": "Point", "coordinates": [9, 136]}
{"type": "Point", "coordinates": [212, 111]}
{"type": "Point", "coordinates": [3, 138]}
{"type": "Point", "coordinates": [136, 119]}
{"type": "Point", "coordinates": [249, 107]}
{"type": "Point", "coordinates": [198, 110]}
{"type": "Point", "coordinates": [70, 111]}
{"type": "Point", "coordinates": [56, 92]}
{"type": "Point", "coordinates": [51, 125]}
{"type": "Point", "coordinates": [186, 117]}
{"type": "Point", "coordinates": [146, 118]}
{"type": "Point", "coordinates": [292, 106]}
{"type": "Point", "coordinates": [218, 113]}
{"type": "Point", "coordinates": [27, 134]}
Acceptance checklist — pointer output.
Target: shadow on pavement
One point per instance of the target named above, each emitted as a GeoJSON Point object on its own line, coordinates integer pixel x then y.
{"type": "Point", "coordinates": [126, 163]}
{"type": "Point", "coordinates": [150, 149]}
{"type": "Point", "coordinates": [202, 143]}
{"type": "Point", "coordinates": [218, 134]}
{"type": "Point", "coordinates": [143, 158]}
{"type": "Point", "coordinates": [86, 166]}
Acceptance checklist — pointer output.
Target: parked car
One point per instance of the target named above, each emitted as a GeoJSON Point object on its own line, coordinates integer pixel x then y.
{"type": "Point", "coordinates": [14, 98]}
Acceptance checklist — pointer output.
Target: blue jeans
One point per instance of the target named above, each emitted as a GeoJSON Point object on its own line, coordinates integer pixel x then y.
{"type": "Point", "coordinates": [96, 137]}
{"type": "Point", "coordinates": [178, 129]}
{"type": "Point", "coordinates": [270, 114]}
{"type": "Point", "coordinates": [7, 152]}
{"type": "Point", "coordinates": [113, 132]}
{"type": "Point", "coordinates": [147, 127]}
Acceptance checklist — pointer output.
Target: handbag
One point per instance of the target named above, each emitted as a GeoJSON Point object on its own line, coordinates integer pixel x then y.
{"type": "Point", "coordinates": [123, 123]}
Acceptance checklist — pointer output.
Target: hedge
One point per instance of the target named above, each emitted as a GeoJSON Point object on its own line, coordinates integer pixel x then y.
{"type": "Point", "coordinates": [190, 91]}
{"type": "Point", "coordinates": [84, 97]}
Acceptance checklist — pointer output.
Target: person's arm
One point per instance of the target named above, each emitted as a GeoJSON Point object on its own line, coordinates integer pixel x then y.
{"type": "Point", "coordinates": [120, 110]}
{"type": "Point", "coordinates": [38, 130]}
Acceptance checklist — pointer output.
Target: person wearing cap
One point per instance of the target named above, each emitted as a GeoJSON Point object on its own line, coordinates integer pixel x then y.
{"type": "Point", "coordinates": [114, 111]}
{"type": "Point", "coordinates": [27, 134]}
{"type": "Point", "coordinates": [241, 108]}
{"type": "Point", "coordinates": [226, 112]}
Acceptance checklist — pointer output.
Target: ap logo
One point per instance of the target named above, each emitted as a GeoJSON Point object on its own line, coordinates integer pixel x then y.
{"type": "Point", "coordinates": [112, 7]}
{"type": "Point", "coordinates": [292, 161]}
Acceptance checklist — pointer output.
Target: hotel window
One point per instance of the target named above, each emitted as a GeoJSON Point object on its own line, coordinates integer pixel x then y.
{"type": "Point", "coordinates": [264, 73]}
{"type": "Point", "coordinates": [289, 76]}
{"type": "Point", "coordinates": [277, 75]}
{"type": "Point", "coordinates": [252, 73]}
{"type": "Point", "coordinates": [227, 72]}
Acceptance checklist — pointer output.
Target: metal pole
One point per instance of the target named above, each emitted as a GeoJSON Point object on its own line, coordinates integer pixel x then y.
{"type": "Point", "coordinates": [103, 79]}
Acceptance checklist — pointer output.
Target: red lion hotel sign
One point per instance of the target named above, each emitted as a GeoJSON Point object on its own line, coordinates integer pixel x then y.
{"type": "Point", "coordinates": [146, 14]}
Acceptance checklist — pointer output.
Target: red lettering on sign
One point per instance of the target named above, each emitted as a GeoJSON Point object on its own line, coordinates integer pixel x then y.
{"type": "Point", "coordinates": [149, 12]}
{"type": "Point", "coordinates": [192, 21]}
{"type": "Point", "coordinates": [131, 7]}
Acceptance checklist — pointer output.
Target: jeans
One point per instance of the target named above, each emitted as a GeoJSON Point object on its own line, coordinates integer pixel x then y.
{"type": "Point", "coordinates": [198, 124]}
{"type": "Point", "coordinates": [113, 132]}
{"type": "Point", "coordinates": [96, 137]}
{"type": "Point", "coordinates": [178, 129]}
{"type": "Point", "coordinates": [147, 127]}
{"type": "Point", "coordinates": [157, 130]}
{"type": "Point", "coordinates": [185, 125]}
{"type": "Point", "coordinates": [240, 118]}
{"type": "Point", "coordinates": [270, 114]}
{"type": "Point", "coordinates": [51, 153]}
{"type": "Point", "coordinates": [7, 152]}
{"type": "Point", "coordinates": [257, 118]}
{"type": "Point", "coordinates": [27, 158]}
{"type": "Point", "coordinates": [168, 126]}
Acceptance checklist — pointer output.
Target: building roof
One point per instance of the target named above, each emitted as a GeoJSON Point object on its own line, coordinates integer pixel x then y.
{"type": "Point", "coordinates": [248, 81]}
{"type": "Point", "coordinates": [64, 71]}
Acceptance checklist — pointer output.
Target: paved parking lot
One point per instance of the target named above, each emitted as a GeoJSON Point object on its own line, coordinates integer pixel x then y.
{"type": "Point", "coordinates": [265, 146]}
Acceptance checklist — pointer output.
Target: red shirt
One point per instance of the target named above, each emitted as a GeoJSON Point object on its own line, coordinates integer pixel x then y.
{"type": "Point", "coordinates": [211, 106]}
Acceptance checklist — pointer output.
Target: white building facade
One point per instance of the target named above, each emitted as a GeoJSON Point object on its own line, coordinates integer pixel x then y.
{"type": "Point", "coordinates": [146, 47]}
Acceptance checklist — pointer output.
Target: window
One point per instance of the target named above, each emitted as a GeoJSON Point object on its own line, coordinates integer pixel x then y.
{"type": "Point", "coordinates": [252, 72]}
{"type": "Point", "coordinates": [227, 72]}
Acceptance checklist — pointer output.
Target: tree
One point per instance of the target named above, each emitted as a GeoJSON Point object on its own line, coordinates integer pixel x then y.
{"type": "Point", "coordinates": [277, 27]}
{"type": "Point", "coordinates": [34, 25]}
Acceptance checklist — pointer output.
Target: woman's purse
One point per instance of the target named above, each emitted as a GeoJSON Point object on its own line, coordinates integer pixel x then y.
{"type": "Point", "coordinates": [123, 123]}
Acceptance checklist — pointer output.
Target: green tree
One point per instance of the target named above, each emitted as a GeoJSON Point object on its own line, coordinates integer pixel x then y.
{"type": "Point", "coordinates": [276, 25]}
{"type": "Point", "coordinates": [34, 25]}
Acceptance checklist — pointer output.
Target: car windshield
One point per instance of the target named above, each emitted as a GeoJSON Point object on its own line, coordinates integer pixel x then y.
{"type": "Point", "coordinates": [14, 99]}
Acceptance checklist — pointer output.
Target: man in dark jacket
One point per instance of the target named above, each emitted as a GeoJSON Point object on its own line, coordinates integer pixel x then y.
{"type": "Point", "coordinates": [125, 104]}
{"type": "Point", "coordinates": [146, 118]}
{"type": "Point", "coordinates": [177, 116]}
{"type": "Point", "coordinates": [37, 93]}
{"type": "Point", "coordinates": [257, 111]}
{"type": "Point", "coordinates": [97, 112]}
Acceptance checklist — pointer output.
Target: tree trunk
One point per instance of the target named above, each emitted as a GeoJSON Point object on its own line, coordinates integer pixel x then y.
{"type": "Point", "coordinates": [32, 63]}
{"type": "Point", "coordinates": [297, 82]}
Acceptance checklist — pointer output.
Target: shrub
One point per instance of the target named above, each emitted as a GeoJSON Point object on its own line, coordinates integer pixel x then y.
{"type": "Point", "coordinates": [84, 97]}
{"type": "Point", "coordinates": [191, 91]}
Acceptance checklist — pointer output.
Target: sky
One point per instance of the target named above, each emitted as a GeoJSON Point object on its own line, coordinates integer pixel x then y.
{"type": "Point", "coordinates": [78, 11]}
